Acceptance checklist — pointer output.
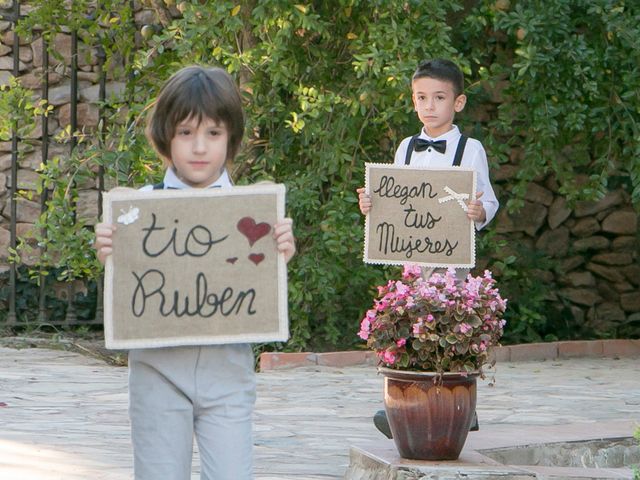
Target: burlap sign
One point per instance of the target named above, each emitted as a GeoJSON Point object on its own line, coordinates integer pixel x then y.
{"type": "Point", "coordinates": [418, 216]}
{"type": "Point", "coordinates": [195, 267]}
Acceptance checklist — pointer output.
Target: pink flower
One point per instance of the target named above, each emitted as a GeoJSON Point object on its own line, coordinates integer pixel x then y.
{"type": "Point", "coordinates": [365, 328]}
{"type": "Point", "coordinates": [389, 357]}
{"type": "Point", "coordinates": [465, 327]}
{"type": "Point", "coordinates": [430, 318]}
{"type": "Point", "coordinates": [401, 288]}
{"type": "Point", "coordinates": [411, 271]}
{"type": "Point", "coordinates": [381, 305]}
{"type": "Point", "coordinates": [417, 328]}
{"type": "Point", "coordinates": [503, 303]}
{"type": "Point", "coordinates": [401, 342]}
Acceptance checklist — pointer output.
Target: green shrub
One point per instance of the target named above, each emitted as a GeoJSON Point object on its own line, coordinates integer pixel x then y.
{"type": "Point", "coordinates": [327, 89]}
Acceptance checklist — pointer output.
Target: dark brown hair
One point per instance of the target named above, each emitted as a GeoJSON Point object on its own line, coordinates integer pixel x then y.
{"type": "Point", "coordinates": [196, 92]}
{"type": "Point", "coordinates": [444, 70]}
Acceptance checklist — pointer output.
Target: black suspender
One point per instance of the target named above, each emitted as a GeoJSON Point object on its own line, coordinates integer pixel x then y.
{"type": "Point", "coordinates": [457, 159]}
{"type": "Point", "coordinates": [412, 142]}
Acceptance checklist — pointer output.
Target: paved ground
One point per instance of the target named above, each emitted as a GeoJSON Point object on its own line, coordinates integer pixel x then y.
{"type": "Point", "coordinates": [64, 415]}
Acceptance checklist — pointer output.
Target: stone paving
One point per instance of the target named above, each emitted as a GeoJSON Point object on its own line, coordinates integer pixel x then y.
{"type": "Point", "coordinates": [64, 415]}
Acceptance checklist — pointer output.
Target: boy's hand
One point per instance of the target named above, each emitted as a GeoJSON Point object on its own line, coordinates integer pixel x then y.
{"type": "Point", "coordinates": [285, 241]}
{"type": "Point", "coordinates": [475, 210]}
{"type": "Point", "coordinates": [104, 241]}
{"type": "Point", "coordinates": [364, 201]}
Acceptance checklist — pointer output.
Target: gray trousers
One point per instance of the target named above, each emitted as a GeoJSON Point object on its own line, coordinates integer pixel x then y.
{"type": "Point", "coordinates": [178, 392]}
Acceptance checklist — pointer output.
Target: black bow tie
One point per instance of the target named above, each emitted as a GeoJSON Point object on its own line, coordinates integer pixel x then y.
{"type": "Point", "coordinates": [422, 144]}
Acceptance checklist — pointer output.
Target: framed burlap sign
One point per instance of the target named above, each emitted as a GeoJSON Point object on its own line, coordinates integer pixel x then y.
{"type": "Point", "coordinates": [419, 216]}
{"type": "Point", "coordinates": [195, 267]}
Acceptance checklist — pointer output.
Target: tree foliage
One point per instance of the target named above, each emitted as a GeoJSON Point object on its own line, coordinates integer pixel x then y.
{"type": "Point", "coordinates": [574, 93]}
{"type": "Point", "coordinates": [326, 86]}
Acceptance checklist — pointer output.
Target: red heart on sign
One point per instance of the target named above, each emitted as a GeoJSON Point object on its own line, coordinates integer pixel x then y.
{"type": "Point", "coordinates": [254, 232]}
{"type": "Point", "coordinates": [256, 257]}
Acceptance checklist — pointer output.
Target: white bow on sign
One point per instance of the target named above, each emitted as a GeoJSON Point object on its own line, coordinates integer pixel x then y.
{"type": "Point", "coordinates": [458, 197]}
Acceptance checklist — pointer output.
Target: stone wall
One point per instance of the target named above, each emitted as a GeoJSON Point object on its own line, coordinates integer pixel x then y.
{"type": "Point", "coordinates": [59, 96]}
{"type": "Point", "coordinates": [595, 245]}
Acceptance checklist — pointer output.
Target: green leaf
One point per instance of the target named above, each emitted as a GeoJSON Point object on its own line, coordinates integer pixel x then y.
{"type": "Point", "coordinates": [451, 339]}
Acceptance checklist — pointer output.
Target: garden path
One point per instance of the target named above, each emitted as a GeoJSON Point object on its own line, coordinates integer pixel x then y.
{"type": "Point", "coordinates": [64, 415]}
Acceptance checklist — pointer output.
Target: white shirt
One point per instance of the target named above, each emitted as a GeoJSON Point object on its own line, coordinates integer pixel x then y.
{"type": "Point", "coordinates": [171, 180]}
{"type": "Point", "coordinates": [474, 157]}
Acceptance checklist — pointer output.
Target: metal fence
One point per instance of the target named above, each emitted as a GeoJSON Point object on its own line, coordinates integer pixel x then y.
{"type": "Point", "coordinates": [12, 16]}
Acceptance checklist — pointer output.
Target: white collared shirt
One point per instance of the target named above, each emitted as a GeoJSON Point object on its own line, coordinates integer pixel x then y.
{"type": "Point", "coordinates": [474, 157]}
{"type": "Point", "coordinates": [171, 180]}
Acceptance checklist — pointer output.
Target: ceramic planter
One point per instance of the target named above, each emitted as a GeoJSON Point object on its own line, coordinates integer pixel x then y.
{"type": "Point", "coordinates": [429, 419]}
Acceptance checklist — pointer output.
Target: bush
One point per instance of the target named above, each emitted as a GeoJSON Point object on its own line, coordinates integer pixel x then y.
{"type": "Point", "coordinates": [327, 88]}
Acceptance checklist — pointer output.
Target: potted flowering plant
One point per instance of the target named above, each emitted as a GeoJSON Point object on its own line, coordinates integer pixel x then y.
{"type": "Point", "coordinates": [432, 337]}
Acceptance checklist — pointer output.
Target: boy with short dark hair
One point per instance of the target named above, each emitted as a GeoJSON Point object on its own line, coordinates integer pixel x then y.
{"type": "Point", "coordinates": [208, 391]}
{"type": "Point", "coordinates": [437, 88]}
{"type": "Point", "coordinates": [437, 94]}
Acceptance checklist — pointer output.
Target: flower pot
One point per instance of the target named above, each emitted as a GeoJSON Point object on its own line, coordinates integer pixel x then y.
{"type": "Point", "coordinates": [429, 419]}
